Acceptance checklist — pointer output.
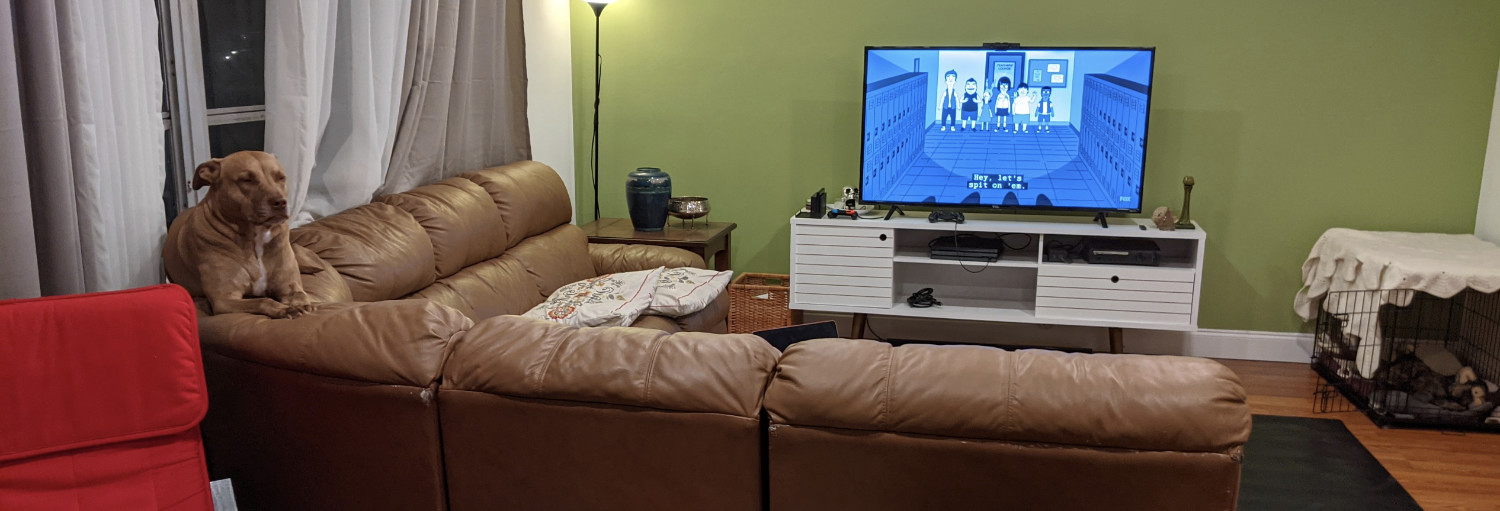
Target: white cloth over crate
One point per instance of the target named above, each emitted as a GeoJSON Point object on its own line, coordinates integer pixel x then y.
{"type": "Point", "coordinates": [1441, 265]}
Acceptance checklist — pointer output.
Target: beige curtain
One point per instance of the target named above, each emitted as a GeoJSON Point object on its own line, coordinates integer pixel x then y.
{"type": "Point", "coordinates": [82, 158]}
{"type": "Point", "coordinates": [464, 92]}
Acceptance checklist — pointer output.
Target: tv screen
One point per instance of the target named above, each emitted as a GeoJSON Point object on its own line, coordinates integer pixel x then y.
{"type": "Point", "coordinates": [1024, 127]}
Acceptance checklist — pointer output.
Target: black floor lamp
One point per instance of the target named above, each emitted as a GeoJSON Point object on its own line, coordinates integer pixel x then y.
{"type": "Point", "coordinates": [598, 6]}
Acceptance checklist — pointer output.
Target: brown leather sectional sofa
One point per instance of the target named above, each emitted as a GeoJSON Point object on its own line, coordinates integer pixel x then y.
{"type": "Point", "coordinates": [413, 388]}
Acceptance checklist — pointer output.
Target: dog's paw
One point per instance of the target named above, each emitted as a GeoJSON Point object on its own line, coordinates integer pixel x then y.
{"type": "Point", "coordinates": [280, 311]}
{"type": "Point", "coordinates": [296, 311]}
{"type": "Point", "coordinates": [298, 305]}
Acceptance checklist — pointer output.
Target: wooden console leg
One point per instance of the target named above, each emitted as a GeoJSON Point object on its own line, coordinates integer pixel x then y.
{"type": "Point", "coordinates": [1116, 340]}
{"type": "Point", "coordinates": [858, 331]}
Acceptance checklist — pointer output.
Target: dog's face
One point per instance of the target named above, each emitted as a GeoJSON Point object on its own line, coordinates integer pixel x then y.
{"type": "Point", "coordinates": [250, 186]}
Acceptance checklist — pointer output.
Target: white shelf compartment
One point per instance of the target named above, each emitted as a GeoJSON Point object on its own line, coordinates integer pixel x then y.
{"type": "Point", "coordinates": [1010, 258]}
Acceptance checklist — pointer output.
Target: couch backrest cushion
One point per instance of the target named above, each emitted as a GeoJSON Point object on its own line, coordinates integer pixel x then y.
{"type": "Point", "coordinates": [324, 286]}
{"type": "Point", "coordinates": [381, 251]}
{"type": "Point", "coordinates": [88, 370]}
{"type": "Point", "coordinates": [530, 196]}
{"type": "Point", "coordinates": [556, 258]}
{"type": "Point", "coordinates": [461, 220]}
{"type": "Point", "coordinates": [688, 371]}
{"type": "Point", "coordinates": [490, 288]}
{"type": "Point", "coordinates": [1156, 403]}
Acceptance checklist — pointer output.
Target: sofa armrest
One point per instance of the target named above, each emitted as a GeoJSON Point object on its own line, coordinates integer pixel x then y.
{"type": "Point", "coordinates": [395, 342]}
{"type": "Point", "coordinates": [622, 258]}
{"type": "Point", "coordinates": [1138, 402]}
{"type": "Point", "coordinates": [687, 372]}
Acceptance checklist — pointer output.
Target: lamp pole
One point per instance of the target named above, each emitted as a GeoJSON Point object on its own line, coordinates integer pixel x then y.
{"type": "Point", "coordinates": [598, 7]}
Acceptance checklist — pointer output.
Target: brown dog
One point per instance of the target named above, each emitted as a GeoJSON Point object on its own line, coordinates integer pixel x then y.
{"type": "Point", "coordinates": [232, 248]}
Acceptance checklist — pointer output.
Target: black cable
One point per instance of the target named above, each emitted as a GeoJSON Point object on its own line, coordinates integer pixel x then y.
{"type": "Point", "coordinates": [960, 261]}
{"type": "Point", "coordinates": [922, 299]}
{"type": "Point", "coordinates": [871, 328]}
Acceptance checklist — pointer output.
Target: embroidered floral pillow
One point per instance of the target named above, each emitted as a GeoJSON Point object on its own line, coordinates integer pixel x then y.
{"type": "Point", "coordinates": [683, 291]}
{"type": "Point", "coordinates": [607, 300]}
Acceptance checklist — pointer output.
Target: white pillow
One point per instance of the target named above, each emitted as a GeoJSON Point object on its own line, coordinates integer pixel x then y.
{"type": "Point", "coordinates": [683, 291]}
{"type": "Point", "coordinates": [607, 300]}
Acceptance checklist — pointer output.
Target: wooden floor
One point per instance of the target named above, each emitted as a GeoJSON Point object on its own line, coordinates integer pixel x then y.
{"type": "Point", "coordinates": [1441, 470]}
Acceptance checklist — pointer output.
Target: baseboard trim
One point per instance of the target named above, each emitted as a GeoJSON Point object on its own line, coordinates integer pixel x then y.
{"type": "Point", "coordinates": [1232, 344]}
{"type": "Point", "coordinates": [1210, 343]}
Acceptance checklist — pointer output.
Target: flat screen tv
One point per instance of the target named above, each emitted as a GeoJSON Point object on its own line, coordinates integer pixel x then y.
{"type": "Point", "coordinates": [1050, 128]}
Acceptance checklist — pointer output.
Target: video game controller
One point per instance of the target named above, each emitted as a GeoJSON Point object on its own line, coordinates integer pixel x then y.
{"type": "Point", "coordinates": [956, 217]}
{"type": "Point", "coordinates": [835, 213]}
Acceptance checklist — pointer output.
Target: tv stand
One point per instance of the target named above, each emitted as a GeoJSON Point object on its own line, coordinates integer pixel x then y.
{"type": "Point", "coordinates": [1102, 219]}
{"type": "Point", "coordinates": [870, 268]}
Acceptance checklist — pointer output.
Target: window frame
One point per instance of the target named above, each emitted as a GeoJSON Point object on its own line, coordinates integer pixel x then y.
{"type": "Point", "coordinates": [188, 117]}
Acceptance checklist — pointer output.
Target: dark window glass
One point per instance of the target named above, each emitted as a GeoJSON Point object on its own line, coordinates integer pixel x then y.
{"type": "Point", "coordinates": [169, 192]}
{"type": "Point", "coordinates": [225, 139]}
{"type": "Point", "coordinates": [234, 44]}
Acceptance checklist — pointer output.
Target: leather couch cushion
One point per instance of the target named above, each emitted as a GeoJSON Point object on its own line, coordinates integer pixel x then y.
{"type": "Point", "coordinates": [381, 251]}
{"type": "Point", "coordinates": [491, 288]}
{"type": "Point", "coordinates": [618, 258]}
{"type": "Point", "coordinates": [396, 342]}
{"type": "Point", "coordinates": [689, 371]}
{"type": "Point", "coordinates": [325, 286]}
{"type": "Point", "coordinates": [705, 320]}
{"type": "Point", "coordinates": [556, 258]}
{"type": "Point", "coordinates": [530, 196]}
{"type": "Point", "coordinates": [1112, 401]}
{"type": "Point", "coordinates": [460, 219]}
{"type": "Point", "coordinates": [664, 324]}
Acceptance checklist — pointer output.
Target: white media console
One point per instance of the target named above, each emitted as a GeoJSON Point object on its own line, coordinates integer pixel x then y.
{"type": "Point", "coordinates": [870, 266]}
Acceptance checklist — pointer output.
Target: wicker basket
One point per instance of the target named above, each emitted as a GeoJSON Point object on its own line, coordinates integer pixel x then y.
{"type": "Point", "coordinates": [758, 301]}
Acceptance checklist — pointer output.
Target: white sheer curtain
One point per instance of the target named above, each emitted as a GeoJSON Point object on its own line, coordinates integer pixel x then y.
{"type": "Point", "coordinates": [367, 98]}
{"type": "Point", "coordinates": [333, 97]}
{"type": "Point", "coordinates": [465, 101]}
{"type": "Point", "coordinates": [84, 150]}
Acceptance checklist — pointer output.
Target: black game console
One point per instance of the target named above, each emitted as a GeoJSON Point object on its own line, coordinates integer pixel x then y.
{"type": "Point", "coordinates": [1131, 251]}
{"type": "Point", "coordinates": [966, 247]}
{"type": "Point", "coordinates": [815, 205]}
{"type": "Point", "coordinates": [956, 217]}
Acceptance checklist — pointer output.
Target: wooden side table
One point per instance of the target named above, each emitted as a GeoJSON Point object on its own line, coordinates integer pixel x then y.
{"type": "Point", "coordinates": [709, 240]}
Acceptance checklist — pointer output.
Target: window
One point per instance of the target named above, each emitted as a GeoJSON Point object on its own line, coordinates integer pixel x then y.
{"type": "Point", "coordinates": [213, 61]}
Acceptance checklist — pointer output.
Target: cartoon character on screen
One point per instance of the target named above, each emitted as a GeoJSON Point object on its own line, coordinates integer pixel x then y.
{"type": "Point", "coordinates": [1021, 108]}
{"type": "Point", "coordinates": [1002, 104]}
{"type": "Point", "coordinates": [948, 101]}
{"type": "Point", "coordinates": [1044, 111]}
{"type": "Point", "coordinates": [970, 118]}
{"type": "Point", "coordinates": [985, 114]}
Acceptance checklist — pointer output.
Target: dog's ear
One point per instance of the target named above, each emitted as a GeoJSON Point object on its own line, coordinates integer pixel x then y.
{"type": "Point", "coordinates": [206, 173]}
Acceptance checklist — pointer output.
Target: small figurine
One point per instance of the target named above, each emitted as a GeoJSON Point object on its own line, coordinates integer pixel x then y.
{"type": "Point", "coordinates": [1187, 198]}
{"type": "Point", "coordinates": [1164, 219]}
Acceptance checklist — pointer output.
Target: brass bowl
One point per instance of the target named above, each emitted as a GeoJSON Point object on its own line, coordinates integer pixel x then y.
{"type": "Point", "coordinates": [687, 208]}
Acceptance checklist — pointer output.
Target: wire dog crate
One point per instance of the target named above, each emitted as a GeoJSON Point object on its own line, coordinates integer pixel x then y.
{"type": "Point", "coordinates": [1407, 358]}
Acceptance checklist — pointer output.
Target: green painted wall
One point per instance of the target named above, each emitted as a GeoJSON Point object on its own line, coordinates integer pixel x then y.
{"type": "Point", "coordinates": [1294, 116]}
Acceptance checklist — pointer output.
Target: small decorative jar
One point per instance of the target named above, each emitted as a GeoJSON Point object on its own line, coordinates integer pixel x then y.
{"type": "Point", "coordinates": [647, 191]}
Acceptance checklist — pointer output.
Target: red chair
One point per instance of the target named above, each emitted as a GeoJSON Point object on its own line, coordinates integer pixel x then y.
{"type": "Point", "coordinates": [100, 399]}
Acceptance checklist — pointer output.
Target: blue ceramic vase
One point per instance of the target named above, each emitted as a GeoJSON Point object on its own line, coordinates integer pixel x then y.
{"type": "Point", "coordinates": [646, 193]}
